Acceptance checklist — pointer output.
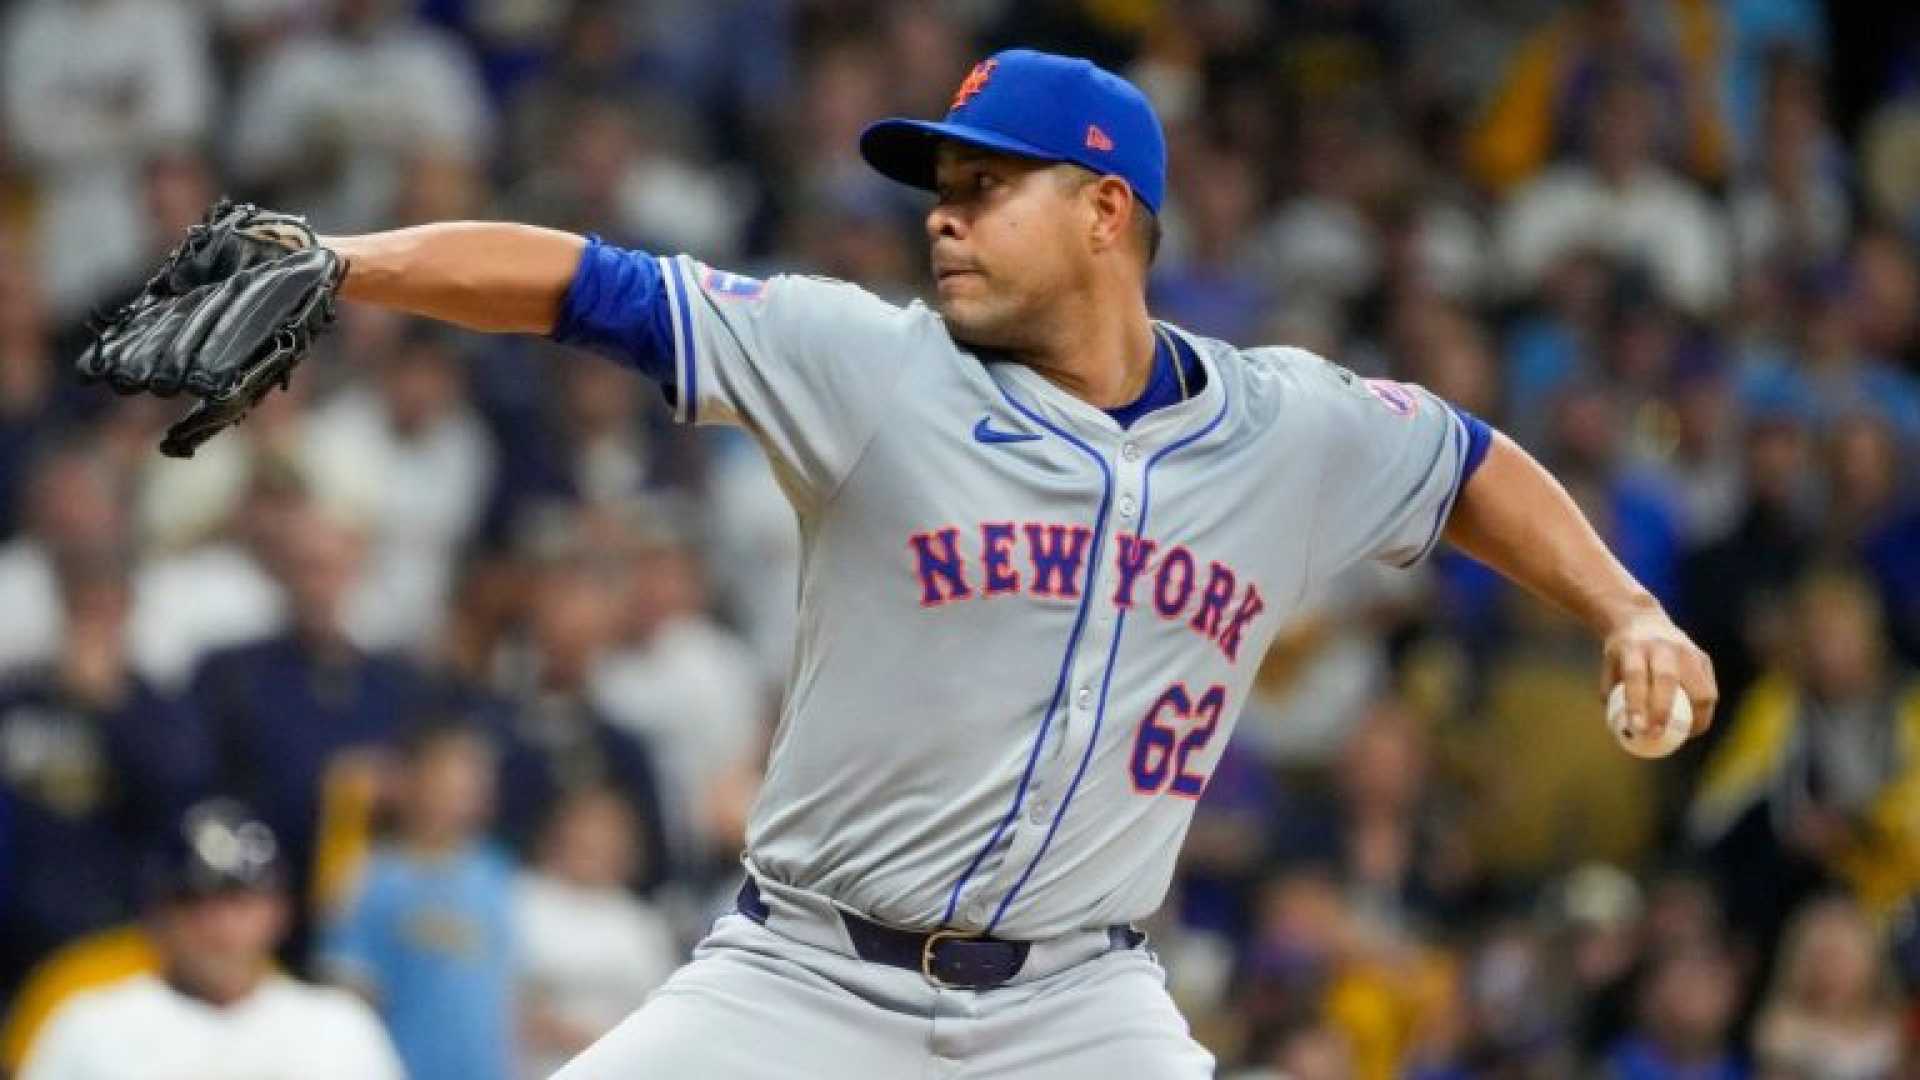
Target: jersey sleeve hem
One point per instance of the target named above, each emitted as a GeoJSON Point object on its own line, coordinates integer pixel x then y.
{"type": "Point", "coordinates": [1458, 434]}
{"type": "Point", "coordinates": [686, 370]}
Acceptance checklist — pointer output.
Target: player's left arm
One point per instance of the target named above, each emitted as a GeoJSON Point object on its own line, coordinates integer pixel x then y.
{"type": "Point", "coordinates": [1514, 516]}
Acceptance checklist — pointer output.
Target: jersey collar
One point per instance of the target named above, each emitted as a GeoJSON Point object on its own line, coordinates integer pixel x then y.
{"type": "Point", "coordinates": [1091, 422]}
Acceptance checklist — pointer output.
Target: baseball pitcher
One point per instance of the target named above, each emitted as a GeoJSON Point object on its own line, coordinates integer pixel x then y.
{"type": "Point", "coordinates": [1046, 540]}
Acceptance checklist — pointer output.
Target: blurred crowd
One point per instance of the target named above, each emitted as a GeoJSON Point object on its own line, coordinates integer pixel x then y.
{"type": "Point", "coordinates": [495, 649]}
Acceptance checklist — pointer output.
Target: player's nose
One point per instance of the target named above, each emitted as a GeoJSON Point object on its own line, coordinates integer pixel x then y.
{"type": "Point", "coordinates": [943, 223]}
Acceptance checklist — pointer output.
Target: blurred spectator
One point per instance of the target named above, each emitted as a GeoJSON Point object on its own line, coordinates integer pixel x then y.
{"type": "Point", "coordinates": [428, 936]}
{"type": "Point", "coordinates": [1864, 470]}
{"type": "Point", "coordinates": [1758, 35]}
{"type": "Point", "coordinates": [1686, 1018]}
{"type": "Point", "coordinates": [555, 740]}
{"type": "Point", "coordinates": [592, 59]}
{"type": "Point", "coordinates": [1564, 66]}
{"type": "Point", "coordinates": [216, 906]}
{"type": "Point", "coordinates": [1886, 297]}
{"type": "Point", "coordinates": [635, 184]}
{"type": "Point", "coordinates": [1815, 781]}
{"type": "Point", "coordinates": [1734, 584]}
{"type": "Point", "coordinates": [26, 377]}
{"type": "Point", "coordinates": [1514, 1025]}
{"type": "Point", "coordinates": [1210, 286]}
{"type": "Point", "coordinates": [414, 459]}
{"type": "Point", "coordinates": [1890, 162]}
{"type": "Point", "coordinates": [1620, 200]}
{"type": "Point", "coordinates": [90, 87]}
{"type": "Point", "coordinates": [1830, 1013]}
{"type": "Point", "coordinates": [222, 592]}
{"type": "Point", "coordinates": [688, 688]}
{"type": "Point", "coordinates": [1381, 828]}
{"type": "Point", "coordinates": [594, 447]}
{"type": "Point", "coordinates": [590, 952]}
{"type": "Point", "coordinates": [1597, 912]}
{"type": "Point", "coordinates": [1699, 459]}
{"type": "Point", "coordinates": [1834, 372]}
{"type": "Point", "coordinates": [326, 122]}
{"type": "Point", "coordinates": [1790, 206]}
{"type": "Point", "coordinates": [1325, 671]}
{"type": "Point", "coordinates": [73, 508]}
{"type": "Point", "coordinates": [1308, 1052]}
{"type": "Point", "coordinates": [281, 708]}
{"type": "Point", "coordinates": [93, 765]}
{"type": "Point", "coordinates": [1322, 242]}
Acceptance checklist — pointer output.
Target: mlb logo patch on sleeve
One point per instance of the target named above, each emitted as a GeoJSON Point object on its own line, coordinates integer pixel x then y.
{"type": "Point", "coordinates": [1397, 398]}
{"type": "Point", "coordinates": [737, 286]}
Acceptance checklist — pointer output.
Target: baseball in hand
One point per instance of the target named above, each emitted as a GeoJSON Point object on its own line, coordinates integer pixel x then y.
{"type": "Point", "coordinates": [1649, 743]}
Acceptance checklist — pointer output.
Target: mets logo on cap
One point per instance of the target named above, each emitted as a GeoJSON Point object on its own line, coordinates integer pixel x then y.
{"type": "Point", "coordinates": [975, 82]}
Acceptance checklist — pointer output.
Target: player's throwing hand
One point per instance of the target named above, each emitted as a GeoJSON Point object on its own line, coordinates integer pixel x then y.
{"type": "Point", "coordinates": [1650, 656]}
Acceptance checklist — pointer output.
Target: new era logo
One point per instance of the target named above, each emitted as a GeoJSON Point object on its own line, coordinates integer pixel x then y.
{"type": "Point", "coordinates": [1097, 139]}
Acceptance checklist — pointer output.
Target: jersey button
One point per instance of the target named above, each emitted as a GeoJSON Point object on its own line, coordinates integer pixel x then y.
{"type": "Point", "coordinates": [1084, 697]}
{"type": "Point", "coordinates": [1127, 506]}
{"type": "Point", "coordinates": [1037, 813]}
{"type": "Point", "coordinates": [1130, 451]}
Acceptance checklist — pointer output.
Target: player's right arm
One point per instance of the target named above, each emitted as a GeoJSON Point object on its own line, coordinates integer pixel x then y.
{"type": "Point", "coordinates": [495, 277]}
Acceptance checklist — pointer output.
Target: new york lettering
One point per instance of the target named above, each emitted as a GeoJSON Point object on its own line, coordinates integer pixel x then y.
{"type": "Point", "coordinates": [1042, 559]}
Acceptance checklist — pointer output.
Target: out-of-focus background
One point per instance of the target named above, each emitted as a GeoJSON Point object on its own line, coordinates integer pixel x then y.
{"type": "Point", "coordinates": [1668, 245]}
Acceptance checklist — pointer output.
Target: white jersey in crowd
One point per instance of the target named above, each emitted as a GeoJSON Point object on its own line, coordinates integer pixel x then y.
{"type": "Point", "coordinates": [143, 1029]}
{"type": "Point", "coordinates": [1025, 633]}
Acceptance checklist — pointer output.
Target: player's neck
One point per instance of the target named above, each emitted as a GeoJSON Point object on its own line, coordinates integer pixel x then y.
{"type": "Point", "coordinates": [1099, 351]}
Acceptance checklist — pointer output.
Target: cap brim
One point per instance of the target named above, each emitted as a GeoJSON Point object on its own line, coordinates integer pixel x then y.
{"type": "Point", "coordinates": [905, 150]}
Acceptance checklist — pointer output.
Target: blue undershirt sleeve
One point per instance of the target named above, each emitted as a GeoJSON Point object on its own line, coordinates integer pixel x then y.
{"type": "Point", "coordinates": [1479, 441]}
{"type": "Point", "coordinates": [617, 306]}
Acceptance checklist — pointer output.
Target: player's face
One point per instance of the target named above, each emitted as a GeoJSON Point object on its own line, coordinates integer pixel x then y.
{"type": "Point", "coordinates": [1003, 245]}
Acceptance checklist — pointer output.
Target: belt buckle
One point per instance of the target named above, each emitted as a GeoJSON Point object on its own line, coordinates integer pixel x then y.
{"type": "Point", "coordinates": [926, 955]}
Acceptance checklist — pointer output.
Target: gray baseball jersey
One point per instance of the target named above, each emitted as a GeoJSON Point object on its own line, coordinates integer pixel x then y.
{"type": "Point", "coordinates": [1025, 633]}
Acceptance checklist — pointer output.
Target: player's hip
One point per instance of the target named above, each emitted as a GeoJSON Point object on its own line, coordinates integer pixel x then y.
{"type": "Point", "coordinates": [943, 958]}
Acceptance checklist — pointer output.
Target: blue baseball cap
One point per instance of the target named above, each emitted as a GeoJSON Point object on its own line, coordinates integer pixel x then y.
{"type": "Point", "coordinates": [1034, 105]}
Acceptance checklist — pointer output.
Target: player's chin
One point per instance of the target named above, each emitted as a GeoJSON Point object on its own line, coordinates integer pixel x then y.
{"type": "Point", "coordinates": [967, 318]}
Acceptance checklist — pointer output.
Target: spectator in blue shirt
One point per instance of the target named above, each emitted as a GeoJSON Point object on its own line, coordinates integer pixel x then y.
{"type": "Point", "coordinates": [1687, 1009]}
{"type": "Point", "coordinates": [428, 936]}
{"type": "Point", "coordinates": [281, 709]}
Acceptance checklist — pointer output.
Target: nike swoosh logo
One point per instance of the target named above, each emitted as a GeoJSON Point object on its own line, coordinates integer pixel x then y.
{"type": "Point", "coordinates": [985, 434]}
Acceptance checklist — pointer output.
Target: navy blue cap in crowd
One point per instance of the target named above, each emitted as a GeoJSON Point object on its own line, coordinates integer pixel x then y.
{"type": "Point", "coordinates": [1034, 105]}
{"type": "Point", "coordinates": [220, 847]}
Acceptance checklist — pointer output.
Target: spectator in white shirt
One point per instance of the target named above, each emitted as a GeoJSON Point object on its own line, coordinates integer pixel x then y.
{"type": "Point", "coordinates": [73, 504]}
{"type": "Point", "coordinates": [591, 951]}
{"type": "Point", "coordinates": [217, 1007]}
{"type": "Point", "coordinates": [1619, 200]}
{"type": "Point", "coordinates": [90, 87]}
{"type": "Point", "coordinates": [685, 684]}
{"type": "Point", "coordinates": [412, 457]}
{"type": "Point", "coordinates": [328, 121]}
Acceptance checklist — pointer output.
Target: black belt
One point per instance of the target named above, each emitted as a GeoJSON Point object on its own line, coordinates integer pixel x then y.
{"type": "Point", "coordinates": [948, 958]}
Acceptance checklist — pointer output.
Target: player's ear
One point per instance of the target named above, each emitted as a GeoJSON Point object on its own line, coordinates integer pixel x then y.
{"type": "Point", "coordinates": [1112, 206]}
